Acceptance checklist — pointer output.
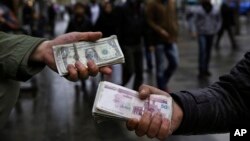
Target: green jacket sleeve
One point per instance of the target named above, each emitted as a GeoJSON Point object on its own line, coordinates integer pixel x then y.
{"type": "Point", "coordinates": [15, 51]}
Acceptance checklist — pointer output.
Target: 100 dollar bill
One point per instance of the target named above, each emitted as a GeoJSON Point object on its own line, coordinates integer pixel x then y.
{"type": "Point", "coordinates": [103, 52]}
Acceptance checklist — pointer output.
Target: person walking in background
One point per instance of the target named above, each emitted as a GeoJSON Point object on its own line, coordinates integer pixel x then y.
{"type": "Point", "coordinates": [79, 20]}
{"type": "Point", "coordinates": [37, 24]}
{"type": "Point", "coordinates": [227, 25]}
{"type": "Point", "coordinates": [51, 18]}
{"type": "Point", "coordinates": [94, 12]}
{"type": "Point", "coordinates": [207, 23]}
{"type": "Point", "coordinates": [107, 22]}
{"type": "Point", "coordinates": [27, 16]}
{"type": "Point", "coordinates": [8, 21]}
{"type": "Point", "coordinates": [148, 44]}
{"type": "Point", "coordinates": [162, 18]}
{"type": "Point", "coordinates": [129, 34]}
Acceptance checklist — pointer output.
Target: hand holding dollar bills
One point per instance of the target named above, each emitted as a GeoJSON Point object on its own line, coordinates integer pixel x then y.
{"type": "Point", "coordinates": [114, 101]}
{"type": "Point", "coordinates": [103, 52]}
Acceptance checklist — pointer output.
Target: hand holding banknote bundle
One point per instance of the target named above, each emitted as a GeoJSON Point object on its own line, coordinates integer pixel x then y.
{"type": "Point", "coordinates": [77, 70]}
{"type": "Point", "coordinates": [156, 126]}
{"type": "Point", "coordinates": [148, 112]}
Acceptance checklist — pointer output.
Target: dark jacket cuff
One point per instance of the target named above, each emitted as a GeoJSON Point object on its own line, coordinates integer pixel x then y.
{"type": "Point", "coordinates": [187, 102]}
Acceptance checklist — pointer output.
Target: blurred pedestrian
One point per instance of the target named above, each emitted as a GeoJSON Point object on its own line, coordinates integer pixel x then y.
{"type": "Point", "coordinates": [107, 22]}
{"type": "Point", "coordinates": [79, 20]}
{"type": "Point", "coordinates": [148, 43]}
{"type": "Point", "coordinates": [228, 21]}
{"type": "Point", "coordinates": [130, 34]}
{"type": "Point", "coordinates": [94, 12]}
{"type": "Point", "coordinates": [8, 21]}
{"type": "Point", "coordinates": [27, 15]}
{"type": "Point", "coordinates": [162, 18]}
{"type": "Point", "coordinates": [37, 24]}
{"type": "Point", "coordinates": [52, 17]}
{"type": "Point", "coordinates": [207, 23]}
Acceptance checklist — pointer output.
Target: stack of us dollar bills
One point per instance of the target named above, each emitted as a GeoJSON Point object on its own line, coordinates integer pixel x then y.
{"type": "Point", "coordinates": [103, 52]}
{"type": "Point", "coordinates": [117, 102]}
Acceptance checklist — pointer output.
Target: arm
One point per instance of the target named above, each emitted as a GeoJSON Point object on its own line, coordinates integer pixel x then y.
{"type": "Point", "coordinates": [150, 18]}
{"type": "Point", "coordinates": [218, 107]}
{"type": "Point", "coordinates": [14, 56]}
{"type": "Point", "coordinates": [23, 56]}
{"type": "Point", "coordinates": [210, 110]}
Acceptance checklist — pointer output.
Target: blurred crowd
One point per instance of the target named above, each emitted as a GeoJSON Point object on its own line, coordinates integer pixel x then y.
{"type": "Point", "coordinates": [143, 27]}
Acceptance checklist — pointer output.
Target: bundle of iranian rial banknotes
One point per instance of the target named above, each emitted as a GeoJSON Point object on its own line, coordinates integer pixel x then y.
{"type": "Point", "coordinates": [103, 52]}
{"type": "Point", "coordinates": [116, 102]}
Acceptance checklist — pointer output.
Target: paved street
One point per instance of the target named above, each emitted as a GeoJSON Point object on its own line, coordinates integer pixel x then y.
{"type": "Point", "coordinates": [60, 111]}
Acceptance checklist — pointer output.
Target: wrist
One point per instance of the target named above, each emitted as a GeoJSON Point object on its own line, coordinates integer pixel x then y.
{"type": "Point", "coordinates": [177, 116]}
{"type": "Point", "coordinates": [39, 53]}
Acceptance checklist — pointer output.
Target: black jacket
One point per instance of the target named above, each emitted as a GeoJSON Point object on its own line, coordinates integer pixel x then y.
{"type": "Point", "coordinates": [130, 25]}
{"type": "Point", "coordinates": [220, 106]}
{"type": "Point", "coordinates": [227, 15]}
{"type": "Point", "coordinates": [107, 24]}
{"type": "Point", "coordinates": [80, 25]}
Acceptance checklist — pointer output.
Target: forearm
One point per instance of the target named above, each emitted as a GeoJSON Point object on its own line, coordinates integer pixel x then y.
{"type": "Point", "coordinates": [15, 52]}
{"type": "Point", "coordinates": [216, 108]}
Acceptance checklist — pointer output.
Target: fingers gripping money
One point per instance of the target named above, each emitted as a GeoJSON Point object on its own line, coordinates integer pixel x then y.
{"type": "Point", "coordinates": [103, 52]}
{"type": "Point", "coordinates": [116, 102]}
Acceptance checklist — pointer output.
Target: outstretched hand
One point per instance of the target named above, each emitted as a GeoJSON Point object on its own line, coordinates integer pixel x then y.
{"type": "Point", "coordinates": [44, 53]}
{"type": "Point", "coordinates": [155, 126]}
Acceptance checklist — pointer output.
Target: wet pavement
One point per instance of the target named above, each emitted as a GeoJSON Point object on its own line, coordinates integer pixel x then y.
{"type": "Point", "coordinates": [59, 110]}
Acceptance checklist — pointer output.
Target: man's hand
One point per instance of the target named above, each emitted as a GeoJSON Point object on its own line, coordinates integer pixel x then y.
{"type": "Point", "coordinates": [164, 34]}
{"type": "Point", "coordinates": [44, 53]}
{"type": "Point", "coordinates": [154, 126]}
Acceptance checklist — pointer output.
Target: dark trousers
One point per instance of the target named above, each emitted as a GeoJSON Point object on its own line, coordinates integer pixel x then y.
{"type": "Point", "coordinates": [231, 36]}
{"type": "Point", "coordinates": [205, 46]}
{"type": "Point", "coordinates": [163, 73]}
{"type": "Point", "coordinates": [148, 55]}
{"type": "Point", "coordinates": [133, 65]}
